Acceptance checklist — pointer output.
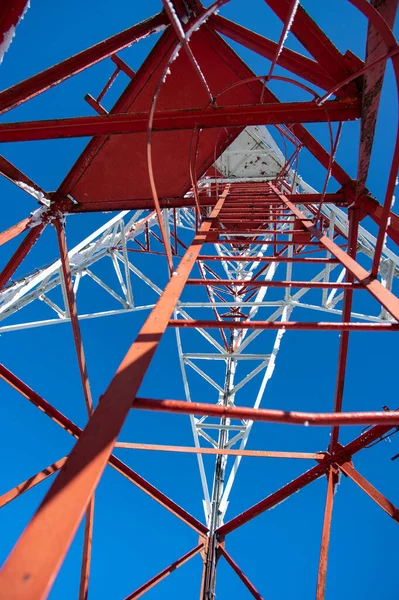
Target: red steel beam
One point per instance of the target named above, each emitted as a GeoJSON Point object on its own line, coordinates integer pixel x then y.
{"type": "Point", "coordinates": [315, 41]}
{"type": "Point", "coordinates": [164, 573]}
{"type": "Point", "coordinates": [346, 316]}
{"type": "Point", "coordinates": [21, 92]}
{"type": "Point", "coordinates": [28, 484]}
{"type": "Point", "coordinates": [73, 314]}
{"type": "Point", "coordinates": [375, 211]}
{"type": "Point", "coordinates": [86, 556]}
{"type": "Point", "coordinates": [250, 587]}
{"type": "Point", "coordinates": [373, 80]}
{"type": "Point", "coordinates": [347, 109]}
{"type": "Point", "coordinates": [384, 503]}
{"type": "Point", "coordinates": [325, 536]}
{"type": "Point", "coordinates": [267, 415]}
{"type": "Point", "coordinates": [13, 174]}
{"type": "Point", "coordinates": [23, 249]}
{"type": "Point", "coordinates": [376, 289]}
{"type": "Point", "coordinates": [300, 482]}
{"type": "Point", "coordinates": [223, 451]}
{"type": "Point", "coordinates": [178, 202]}
{"type": "Point", "coordinates": [291, 259]}
{"type": "Point", "coordinates": [288, 59]}
{"type": "Point", "coordinates": [12, 232]}
{"type": "Point", "coordinates": [114, 462]}
{"type": "Point", "coordinates": [11, 13]}
{"type": "Point", "coordinates": [45, 541]}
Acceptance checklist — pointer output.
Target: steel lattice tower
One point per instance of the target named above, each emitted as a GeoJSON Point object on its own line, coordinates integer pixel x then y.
{"type": "Point", "coordinates": [248, 245]}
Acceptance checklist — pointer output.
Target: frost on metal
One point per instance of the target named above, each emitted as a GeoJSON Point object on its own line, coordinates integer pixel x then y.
{"type": "Point", "coordinates": [40, 196]}
{"type": "Point", "coordinates": [289, 25]}
{"type": "Point", "coordinates": [156, 29]}
{"type": "Point", "coordinates": [175, 17]}
{"type": "Point", "coordinates": [36, 217]}
{"type": "Point", "coordinates": [5, 44]}
{"type": "Point", "coordinates": [9, 35]}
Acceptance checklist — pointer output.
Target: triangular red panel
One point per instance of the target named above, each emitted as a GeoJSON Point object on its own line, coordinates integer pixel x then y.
{"type": "Point", "coordinates": [115, 168]}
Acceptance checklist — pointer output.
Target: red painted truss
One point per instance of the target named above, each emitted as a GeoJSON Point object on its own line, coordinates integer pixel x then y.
{"type": "Point", "coordinates": [188, 102]}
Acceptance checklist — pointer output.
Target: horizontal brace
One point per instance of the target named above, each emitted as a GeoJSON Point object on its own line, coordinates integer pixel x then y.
{"type": "Point", "coordinates": [287, 325]}
{"type": "Point", "coordinates": [220, 427]}
{"type": "Point", "coordinates": [255, 231]}
{"type": "Point", "coordinates": [270, 259]}
{"type": "Point", "coordinates": [268, 415]}
{"type": "Point", "coordinates": [180, 201]}
{"type": "Point", "coordinates": [281, 284]}
{"type": "Point", "coordinates": [225, 452]}
{"type": "Point", "coordinates": [250, 241]}
{"type": "Point", "coordinates": [215, 117]}
{"type": "Point", "coordinates": [229, 304]}
{"type": "Point", "coordinates": [203, 356]}
{"type": "Point", "coordinates": [249, 220]}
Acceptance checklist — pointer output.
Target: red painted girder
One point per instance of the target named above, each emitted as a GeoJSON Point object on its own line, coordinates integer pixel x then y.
{"type": "Point", "coordinates": [12, 232]}
{"type": "Point", "coordinates": [353, 232]}
{"type": "Point", "coordinates": [288, 59]}
{"type": "Point", "coordinates": [11, 13]}
{"type": "Point", "coordinates": [73, 314]}
{"type": "Point", "coordinates": [325, 537]}
{"type": "Point", "coordinates": [187, 8]}
{"type": "Point", "coordinates": [267, 415]}
{"type": "Point", "coordinates": [375, 211]}
{"type": "Point", "coordinates": [373, 80]}
{"type": "Point", "coordinates": [13, 174]}
{"type": "Point", "coordinates": [295, 259]}
{"type": "Point", "coordinates": [177, 202]}
{"type": "Point", "coordinates": [315, 41]}
{"type": "Point", "coordinates": [164, 573]}
{"type": "Point", "coordinates": [89, 186]}
{"type": "Point", "coordinates": [300, 482]}
{"type": "Point", "coordinates": [287, 325]}
{"type": "Point", "coordinates": [86, 554]}
{"type": "Point", "coordinates": [21, 92]}
{"type": "Point", "coordinates": [321, 154]}
{"type": "Point", "coordinates": [252, 589]}
{"type": "Point", "coordinates": [376, 289]}
{"type": "Point", "coordinates": [187, 119]}
{"type": "Point", "coordinates": [241, 229]}
{"type": "Point", "coordinates": [28, 484]}
{"type": "Point", "coordinates": [370, 490]}
{"type": "Point", "coordinates": [19, 255]}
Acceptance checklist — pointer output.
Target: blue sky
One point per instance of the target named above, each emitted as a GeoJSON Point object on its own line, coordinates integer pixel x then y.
{"type": "Point", "coordinates": [133, 536]}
